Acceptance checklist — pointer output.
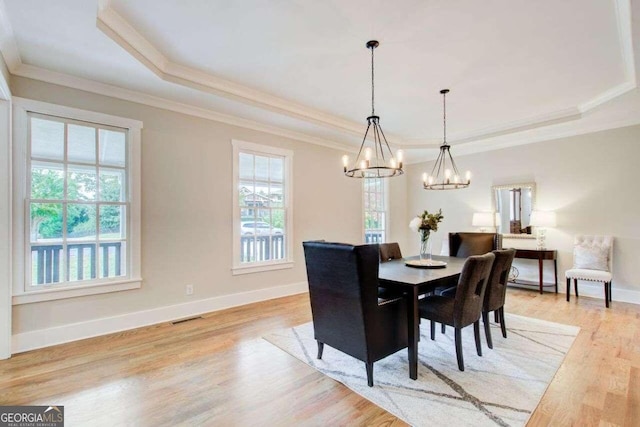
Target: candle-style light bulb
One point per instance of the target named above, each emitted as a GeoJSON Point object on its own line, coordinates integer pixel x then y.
{"type": "Point", "coordinates": [447, 175]}
{"type": "Point", "coordinates": [363, 164]}
{"type": "Point", "coordinates": [424, 177]}
{"type": "Point", "coordinates": [345, 162]}
{"type": "Point", "coordinates": [430, 180]}
{"type": "Point", "coordinates": [456, 178]}
{"type": "Point", "coordinates": [367, 153]}
{"type": "Point", "coordinates": [400, 156]}
{"type": "Point", "coordinates": [468, 177]}
{"type": "Point", "coordinates": [393, 163]}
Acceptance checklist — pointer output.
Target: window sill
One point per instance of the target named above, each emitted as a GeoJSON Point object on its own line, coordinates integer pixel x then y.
{"type": "Point", "coordinates": [76, 291]}
{"type": "Point", "coordinates": [260, 267]}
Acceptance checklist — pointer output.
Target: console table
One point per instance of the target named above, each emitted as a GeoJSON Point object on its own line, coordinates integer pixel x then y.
{"type": "Point", "coordinates": [541, 255]}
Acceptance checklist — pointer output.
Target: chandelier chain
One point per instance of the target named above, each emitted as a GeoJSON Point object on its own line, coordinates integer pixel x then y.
{"type": "Point", "coordinates": [373, 108]}
{"type": "Point", "coordinates": [444, 116]}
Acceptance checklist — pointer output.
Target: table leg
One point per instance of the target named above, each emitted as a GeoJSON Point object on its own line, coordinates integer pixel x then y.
{"type": "Point", "coordinates": [540, 272]}
{"type": "Point", "coordinates": [555, 272]}
{"type": "Point", "coordinates": [413, 319]}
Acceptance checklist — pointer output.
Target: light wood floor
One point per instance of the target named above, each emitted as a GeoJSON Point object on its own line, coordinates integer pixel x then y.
{"type": "Point", "coordinates": [218, 370]}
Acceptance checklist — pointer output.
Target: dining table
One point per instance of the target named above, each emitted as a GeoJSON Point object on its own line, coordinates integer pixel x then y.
{"type": "Point", "coordinates": [414, 282]}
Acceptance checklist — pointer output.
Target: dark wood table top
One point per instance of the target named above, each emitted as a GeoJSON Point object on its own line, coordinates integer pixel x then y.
{"type": "Point", "coordinates": [397, 272]}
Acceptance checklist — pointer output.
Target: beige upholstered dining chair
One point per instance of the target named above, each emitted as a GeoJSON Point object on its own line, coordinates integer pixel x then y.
{"type": "Point", "coordinates": [592, 261]}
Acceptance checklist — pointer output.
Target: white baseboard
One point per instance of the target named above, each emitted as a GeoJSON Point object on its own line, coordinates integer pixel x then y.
{"type": "Point", "coordinates": [76, 331]}
{"type": "Point", "coordinates": [596, 290]}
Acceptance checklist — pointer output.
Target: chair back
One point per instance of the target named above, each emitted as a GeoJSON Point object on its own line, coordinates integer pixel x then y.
{"type": "Point", "coordinates": [496, 291]}
{"type": "Point", "coordinates": [467, 307]}
{"type": "Point", "coordinates": [600, 244]}
{"type": "Point", "coordinates": [389, 251]}
{"type": "Point", "coordinates": [463, 245]}
{"type": "Point", "coordinates": [343, 289]}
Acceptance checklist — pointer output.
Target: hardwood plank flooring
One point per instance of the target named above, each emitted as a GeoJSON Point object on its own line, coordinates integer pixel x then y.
{"type": "Point", "coordinates": [218, 370]}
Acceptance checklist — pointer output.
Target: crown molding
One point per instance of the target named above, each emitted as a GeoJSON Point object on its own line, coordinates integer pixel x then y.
{"type": "Point", "coordinates": [126, 36]}
{"type": "Point", "coordinates": [37, 73]}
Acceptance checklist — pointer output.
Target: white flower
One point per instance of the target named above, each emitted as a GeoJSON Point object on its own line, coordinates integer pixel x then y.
{"type": "Point", "coordinates": [415, 224]}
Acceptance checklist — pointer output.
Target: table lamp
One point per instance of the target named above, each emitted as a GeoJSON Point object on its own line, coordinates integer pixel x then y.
{"type": "Point", "coordinates": [485, 219]}
{"type": "Point", "coordinates": [541, 220]}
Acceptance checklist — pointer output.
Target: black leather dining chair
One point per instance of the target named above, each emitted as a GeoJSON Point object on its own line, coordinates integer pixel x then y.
{"type": "Point", "coordinates": [466, 307]}
{"type": "Point", "coordinates": [347, 313]}
{"type": "Point", "coordinates": [496, 292]}
{"type": "Point", "coordinates": [389, 251]}
{"type": "Point", "coordinates": [463, 245]}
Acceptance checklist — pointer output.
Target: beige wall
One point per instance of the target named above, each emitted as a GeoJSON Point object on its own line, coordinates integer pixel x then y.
{"type": "Point", "coordinates": [588, 180]}
{"type": "Point", "coordinates": [187, 210]}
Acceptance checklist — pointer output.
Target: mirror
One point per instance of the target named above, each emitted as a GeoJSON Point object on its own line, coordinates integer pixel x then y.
{"type": "Point", "coordinates": [514, 203]}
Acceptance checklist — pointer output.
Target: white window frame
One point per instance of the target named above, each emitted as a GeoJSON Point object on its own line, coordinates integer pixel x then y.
{"type": "Point", "coordinates": [22, 293]}
{"type": "Point", "coordinates": [385, 189]}
{"type": "Point", "coordinates": [258, 149]}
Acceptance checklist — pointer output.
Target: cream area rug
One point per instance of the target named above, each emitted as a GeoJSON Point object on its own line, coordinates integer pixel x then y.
{"type": "Point", "coordinates": [501, 388]}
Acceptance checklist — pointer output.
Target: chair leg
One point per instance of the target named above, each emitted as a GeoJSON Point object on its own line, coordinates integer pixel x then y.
{"type": "Point", "coordinates": [476, 334]}
{"type": "Point", "coordinates": [610, 286]}
{"type": "Point", "coordinates": [459, 349]}
{"type": "Point", "coordinates": [443, 328]}
{"type": "Point", "coordinates": [495, 317]}
{"type": "Point", "coordinates": [369, 373]}
{"type": "Point", "coordinates": [575, 287]}
{"type": "Point", "coordinates": [503, 325]}
{"type": "Point", "coordinates": [487, 328]}
{"type": "Point", "coordinates": [433, 330]}
{"type": "Point", "coordinates": [320, 349]}
{"type": "Point", "coordinates": [568, 289]}
{"type": "Point", "coordinates": [606, 294]}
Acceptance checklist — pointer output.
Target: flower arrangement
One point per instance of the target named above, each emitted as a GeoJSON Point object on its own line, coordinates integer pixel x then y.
{"type": "Point", "coordinates": [426, 221]}
{"type": "Point", "coordinates": [425, 224]}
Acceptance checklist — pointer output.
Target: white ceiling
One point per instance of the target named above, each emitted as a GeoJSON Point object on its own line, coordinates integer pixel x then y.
{"type": "Point", "coordinates": [518, 70]}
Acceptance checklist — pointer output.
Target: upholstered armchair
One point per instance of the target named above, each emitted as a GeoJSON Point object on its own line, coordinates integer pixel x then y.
{"type": "Point", "coordinates": [466, 244]}
{"type": "Point", "coordinates": [592, 261]}
{"type": "Point", "coordinates": [347, 313]}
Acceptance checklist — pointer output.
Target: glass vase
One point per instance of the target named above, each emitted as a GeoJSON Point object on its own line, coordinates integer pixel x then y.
{"type": "Point", "coordinates": [425, 245]}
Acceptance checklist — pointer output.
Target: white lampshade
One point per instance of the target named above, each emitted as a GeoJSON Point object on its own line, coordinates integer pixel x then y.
{"type": "Point", "coordinates": [543, 219]}
{"type": "Point", "coordinates": [485, 219]}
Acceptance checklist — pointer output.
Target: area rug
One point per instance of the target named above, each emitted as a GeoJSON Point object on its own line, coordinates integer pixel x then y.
{"type": "Point", "coordinates": [501, 388]}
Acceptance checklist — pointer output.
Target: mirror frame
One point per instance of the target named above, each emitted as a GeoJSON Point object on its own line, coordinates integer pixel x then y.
{"type": "Point", "coordinates": [495, 188]}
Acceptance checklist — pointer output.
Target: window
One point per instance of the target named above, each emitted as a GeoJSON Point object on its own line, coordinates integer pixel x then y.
{"type": "Point", "coordinates": [262, 208]}
{"type": "Point", "coordinates": [79, 202]}
{"type": "Point", "coordinates": [375, 210]}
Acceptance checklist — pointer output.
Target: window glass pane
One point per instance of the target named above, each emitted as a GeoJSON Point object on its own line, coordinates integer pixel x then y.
{"type": "Point", "coordinates": [81, 144]}
{"type": "Point", "coordinates": [47, 181]}
{"type": "Point", "coordinates": [262, 168]}
{"type": "Point", "coordinates": [246, 166]}
{"type": "Point", "coordinates": [46, 222]}
{"type": "Point", "coordinates": [112, 256]}
{"type": "Point", "coordinates": [112, 185]}
{"type": "Point", "coordinates": [278, 221]}
{"type": "Point", "coordinates": [46, 264]}
{"type": "Point", "coordinates": [246, 194]}
{"type": "Point", "coordinates": [81, 221]}
{"type": "Point", "coordinates": [112, 148]}
{"type": "Point", "coordinates": [47, 139]}
{"type": "Point", "coordinates": [81, 261]}
{"type": "Point", "coordinates": [81, 183]}
{"type": "Point", "coordinates": [276, 167]}
{"type": "Point", "coordinates": [112, 224]}
{"type": "Point", "coordinates": [276, 195]}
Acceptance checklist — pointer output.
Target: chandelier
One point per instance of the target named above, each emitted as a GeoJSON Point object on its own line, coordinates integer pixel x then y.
{"type": "Point", "coordinates": [377, 161]}
{"type": "Point", "coordinates": [445, 175]}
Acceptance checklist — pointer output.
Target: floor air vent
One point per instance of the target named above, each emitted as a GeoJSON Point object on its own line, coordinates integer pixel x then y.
{"type": "Point", "coordinates": [177, 322]}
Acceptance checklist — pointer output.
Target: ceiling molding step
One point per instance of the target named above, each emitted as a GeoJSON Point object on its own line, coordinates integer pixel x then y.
{"type": "Point", "coordinates": [37, 73]}
{"type": "Point", "coordinates": [126, 36]}
{"type": "Point", "coordinates": [607, 96]}
{"type": "Point", "coordinates": [514, 127]}
{"type": "Point", "coordinates": [625, 37]}
{"type": "Point", "coordinates": [8, 45]}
